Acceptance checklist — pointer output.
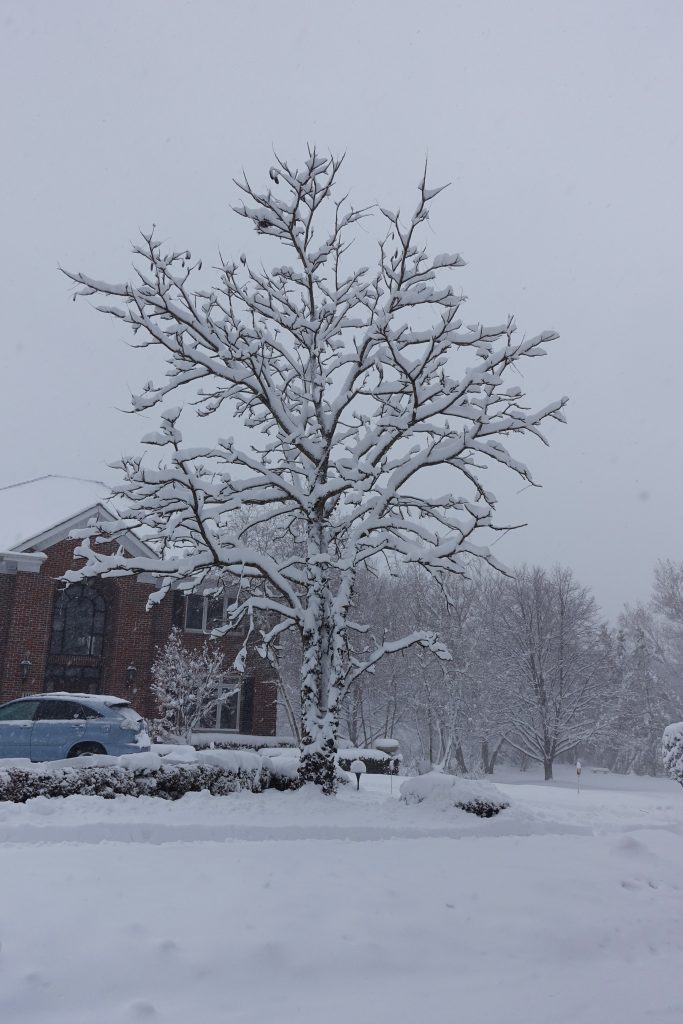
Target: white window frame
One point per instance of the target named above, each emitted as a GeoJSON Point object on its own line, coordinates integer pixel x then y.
{"type": "Point", "coordinates": [205, 611]}
{"type": "Point", "coordinates": [231, 685]}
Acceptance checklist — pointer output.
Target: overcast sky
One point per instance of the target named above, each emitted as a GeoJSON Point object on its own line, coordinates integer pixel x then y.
{"type": "Point", "coordinates": [558, 125]}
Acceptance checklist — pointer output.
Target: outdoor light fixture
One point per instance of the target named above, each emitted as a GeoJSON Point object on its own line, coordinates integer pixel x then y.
{"type": "Point", "coordinates": [130, 674]}
{"type": "Point", "coordinates": [25, 666]}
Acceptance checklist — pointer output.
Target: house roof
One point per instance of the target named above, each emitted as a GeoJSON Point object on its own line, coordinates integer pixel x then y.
{"type": "Point", "coordinates": [37, 513]}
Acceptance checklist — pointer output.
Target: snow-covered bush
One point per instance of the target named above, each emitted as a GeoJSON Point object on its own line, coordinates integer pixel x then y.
{"type": "Point", "coordinates": [284, 770]}
{"type": "Point", "coordinates": [186, 686]}
{"type": "Point", "coordinates": [672, 751]}
{"type": "Point", "coordinates": [376, 762]}
{"type": "Point", "coordinates": [283, 765]}
{"type": "Point", "coordinates": [220, 773]}
{"type": "Point", "coordinates": [446, 791]}
{"type": "Point", "coordinates": [261, 744]}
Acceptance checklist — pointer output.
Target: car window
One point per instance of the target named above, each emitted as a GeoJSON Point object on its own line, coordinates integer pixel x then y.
{"type": "Point", "coordinates": [60, 710]}
{"type": "Point", "coordinates": [126, 711]}
{"type": "Point", "coordinates": [87, 712]}
{"type": "Point", "coordinates": [19, 711]}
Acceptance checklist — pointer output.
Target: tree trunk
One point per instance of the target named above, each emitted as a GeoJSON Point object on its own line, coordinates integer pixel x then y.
{"type": "Point", "coordinates": [322, 672]}
{"type": "Point", "coordinates": [489, 758]}
{"type": "Point", "coordinates": [460, 759]}
{"type": "Point", "coordinates": [548, 768]}
{"type": "Point", "coordinates": [319, 722]}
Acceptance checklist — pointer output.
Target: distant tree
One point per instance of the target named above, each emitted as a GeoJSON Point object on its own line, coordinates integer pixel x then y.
{"type": "Point", "coordinates": [667, 595]}
{"type": "Point", "coordinates": [547, 646]}
{"type": "Point", "coordinates": [646, 697]}
{"type": "Point", "coordinates": [667, 604]}
{"type": "Point", "coordinates": [187, 686]}
{"type": "Point", "coordinates": [356, 386]}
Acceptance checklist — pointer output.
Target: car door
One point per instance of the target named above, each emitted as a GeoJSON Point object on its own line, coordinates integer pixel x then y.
{"type": "Point", "coordinates": [58, 726]}
{"type": "Point", "coordinates": [16, 726]}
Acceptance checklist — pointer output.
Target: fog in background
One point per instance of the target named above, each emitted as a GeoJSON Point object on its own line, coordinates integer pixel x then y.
{"type": "Point", "coordinates": [557, 124]}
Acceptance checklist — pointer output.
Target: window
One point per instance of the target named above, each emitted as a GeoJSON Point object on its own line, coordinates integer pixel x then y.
{"type": "Point", "coordinates": [204, 612]}
{"type": "Point", "coordinates": [78, 621]}
{"type": "Point", "coordinates": [72, 678]}
{"type": "Point", "coordinates": [225, 714]}
{"type": "Point", "coordinates": [63, 711]}
{"type": "Point", "coordinates": [19, 711]}
{"type": "Point", "coordinates": [195, 609]}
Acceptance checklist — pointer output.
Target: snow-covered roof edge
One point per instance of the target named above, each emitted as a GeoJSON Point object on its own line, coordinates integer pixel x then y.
{"type": "Point", "coordinates": [62, 530]}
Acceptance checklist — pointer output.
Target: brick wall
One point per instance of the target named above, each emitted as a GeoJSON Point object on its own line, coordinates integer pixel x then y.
{"type": "Point", "coordinates": [132, 636]}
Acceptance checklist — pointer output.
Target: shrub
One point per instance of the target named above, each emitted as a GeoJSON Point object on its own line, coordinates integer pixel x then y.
{"type": "Point", "coordinates": [284, 770]}
{"type": "Point", "coordinates": [672, 751]}
{"type": "Point", "coordinates": [376, 762]}
{"type": "Point", "coordinates": [204, 741]}
{"type": "Point", "coordinates": [283, 765]}
{"type": "Point", "coordinates": [447, 791]}
{"type": "Point", "coordinates": [136, 775]}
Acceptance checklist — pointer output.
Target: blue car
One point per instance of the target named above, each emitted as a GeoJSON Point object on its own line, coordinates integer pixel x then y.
{"type": "Point", "coordinates": [51, 726]}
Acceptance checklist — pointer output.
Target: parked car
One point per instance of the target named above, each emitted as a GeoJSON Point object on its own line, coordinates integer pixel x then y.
{"type": "Point", "coordinates": [50, 726]}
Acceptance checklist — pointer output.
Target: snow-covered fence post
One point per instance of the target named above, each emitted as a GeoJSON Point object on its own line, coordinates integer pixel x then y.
{"type": "Point", "coordinates": [578, 776]}
{"type": "Point", "coordinates": [352, 384]}
{"type": "Point", "coordinates": [358, 768]}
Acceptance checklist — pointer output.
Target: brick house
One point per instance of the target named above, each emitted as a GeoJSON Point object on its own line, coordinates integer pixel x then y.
{"type": "Point", "coordinates": [99, 637]}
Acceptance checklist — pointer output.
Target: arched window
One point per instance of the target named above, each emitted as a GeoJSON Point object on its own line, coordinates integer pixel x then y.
{"type": "Point", "coordinates": [78, 621]}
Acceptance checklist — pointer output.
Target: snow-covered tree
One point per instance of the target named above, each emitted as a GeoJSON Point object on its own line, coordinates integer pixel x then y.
{"type": "Point", "coordinates": [672, 750]}
{"type": "Point", "coordinates": [367, 411]}
{"type": "Point", "coordinates": [549, 658]}
{"type": "Point", "coordinates": [187, 685]}
{"type": "Point", "coordinates": [645, 699]}
{"type": "Point", "coordinates": [667, 604]}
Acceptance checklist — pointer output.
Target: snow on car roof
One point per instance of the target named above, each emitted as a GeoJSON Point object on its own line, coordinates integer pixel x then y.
{"type": "Point", "coordinates": [94, 698]}
{"type": "Point", "coordinates": [29, 508]}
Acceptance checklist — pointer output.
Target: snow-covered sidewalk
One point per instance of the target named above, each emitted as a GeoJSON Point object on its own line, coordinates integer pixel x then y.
{"type": "Point", "coordinates": [564, 908]}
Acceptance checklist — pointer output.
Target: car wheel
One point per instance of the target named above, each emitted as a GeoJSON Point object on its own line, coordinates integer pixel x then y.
{"type": "Point", "coordinates": [86, 750]}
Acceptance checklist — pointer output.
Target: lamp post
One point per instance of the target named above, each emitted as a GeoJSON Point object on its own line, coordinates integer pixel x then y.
{"type": "Point", "coordinates": [25, 665]}
{"type": "Point", "coordinates": [358, 768]}
{"type": "Point", "coordinates": [130, 673]}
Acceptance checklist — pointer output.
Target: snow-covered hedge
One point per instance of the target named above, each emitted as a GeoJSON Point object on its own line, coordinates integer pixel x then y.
{"type": "Point", "coordinates": [219, 772]}
{"type": "Point", "coordinates": [377, 762]}
{"type": "Point", "coordinates": [239, 741]}
{"type": "Point", "coordinates": [283, 765]}
{"type": "Point", "coordinates": [284, 770]}
{"type": "Point", "coordinates": [446, 791]}
{"type": "Point", "coordinates": [672, 751]}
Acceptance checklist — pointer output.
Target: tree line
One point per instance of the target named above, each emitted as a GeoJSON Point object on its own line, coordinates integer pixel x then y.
{"type": "Point", "coordinates": [536, 674]}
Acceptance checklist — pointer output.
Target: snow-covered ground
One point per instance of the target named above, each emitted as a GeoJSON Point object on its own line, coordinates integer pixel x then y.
{"type": "Point", "coordinates": [565, 909]}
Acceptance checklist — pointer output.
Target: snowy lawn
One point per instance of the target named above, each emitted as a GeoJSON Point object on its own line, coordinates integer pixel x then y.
{"type": "Point", "coordinates": [564, 908]}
